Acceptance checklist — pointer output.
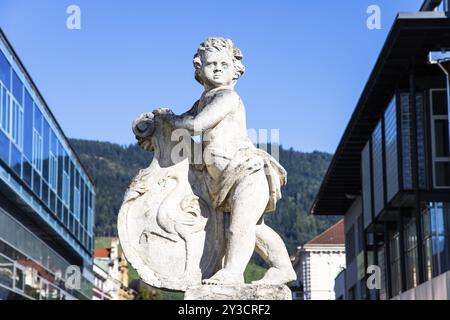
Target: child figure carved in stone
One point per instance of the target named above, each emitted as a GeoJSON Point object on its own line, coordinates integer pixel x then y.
{"type": "Point", "coordinates": [242, 179]}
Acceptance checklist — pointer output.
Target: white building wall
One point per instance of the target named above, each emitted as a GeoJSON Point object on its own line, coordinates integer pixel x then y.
{"type": "Point", "coordinates": [320, 266]}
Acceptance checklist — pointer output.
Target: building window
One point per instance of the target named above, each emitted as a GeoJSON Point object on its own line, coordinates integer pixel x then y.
{"type": "Point", "coordinates": [11, 117]}
{"type": "Point", "coordinates": [406, 131]}
{"type": "Point", "coordinates": [5, 71]}
{"type": "Point", "coordinates": [6, 272]}
{"type": "Point", "coordinates": [382, 264]}
{"type": "Point", "coordinates": [440, 138]}
{"type": "Point", "coordinates": [421, 147]}
{"type": "Point", "coordinates": [76, 204]}
{"type": "Point", "coordinates": [53, 179]}
{"type": "Point", "coordinates": [406, 140]}
{"type": "Point", "coordinates": [411, 259]}
{"type": "Point", "coordinates": [352, 293]}
{"type": "Point", "coordinates": [366, 184]}
{"type": "Point", "coordinates": [390, 134]}
{"type": "Point", "coordinates": [17, 124]}
{"type": "Point", "coordinates": [89, 222]}
{"type": "Point", "coordinates": [436, 217]}
{"type": "Point", "coordinates": [361, 237]}
{"type": "Point", "coordinates": [66, 188]}
{"type": "Point", "coordinates": [37, 150]}
{"type": "Point", "coordinates": [5, 110]}
{"type": "Point", "coordinates": [394, 246]}
{"type": "Point", "coordinates": [350, 244]}
{"type": "Point", "coordinates": [378, 170]}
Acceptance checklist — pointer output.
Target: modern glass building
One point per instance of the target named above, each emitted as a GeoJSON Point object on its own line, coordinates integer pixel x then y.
{"type": "Point", "coordinates": [47, 199]}
{"type": "Point", "coordinates": [390, 175]}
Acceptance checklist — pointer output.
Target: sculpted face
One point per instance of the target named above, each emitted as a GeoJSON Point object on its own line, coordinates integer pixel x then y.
{"type": "Point", "coordinates": [217, 68]}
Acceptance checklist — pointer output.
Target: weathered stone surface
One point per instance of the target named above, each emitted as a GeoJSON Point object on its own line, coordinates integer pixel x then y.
{"type": "Point", "coordinates": [171, 224]}
{"type": "Point", "coordinates": [238, 292]}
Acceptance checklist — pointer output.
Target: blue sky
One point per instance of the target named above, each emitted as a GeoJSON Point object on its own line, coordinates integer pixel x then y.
{"type": "Point", "coordinates": [306, 61]}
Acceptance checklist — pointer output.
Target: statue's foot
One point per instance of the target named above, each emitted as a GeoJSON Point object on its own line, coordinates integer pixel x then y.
{"type": "Point", "coordinates": [275, 276]}
{"type": "Point", "coordinates": [224, 276]}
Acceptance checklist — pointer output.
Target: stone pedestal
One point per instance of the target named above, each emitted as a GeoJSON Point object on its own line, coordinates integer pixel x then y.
{"type": "Point", "coordinates": [238, 292]}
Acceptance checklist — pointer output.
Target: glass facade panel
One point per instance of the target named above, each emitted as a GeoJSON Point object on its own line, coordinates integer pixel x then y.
{"type": "Point", "coordinates": [411, 258]}
{"type": "Point", "coordinates": [17, 87]}
{"type": "Point", "coordinates": [395, 264]}
{"type": "Point", "coordinates": [33, 147]}
{"type": "Point", "coordinates": [378, 170]}
{"type": "Point", "coordinates": [381, 262]}
{"type": "Point", "coordinates": [28, 126]}
{"type": "Point", "coordinates": [37, 183]}
{"type": "Point", "coordinates": [19, 279]}
{"type": "Point", "coordinates": [32, 284]}
{"type": "Point", "coordinates": [439, 105]}
{"type": "Point", "coordinates": [5, 71]}
{"type": "Point", "coordinates": [27, 172]}
{"type": "Point", "coordinates": [17, 124]}
{"type": "Point", "coordinates": [4, 147]}
{"type": "Point", "coordinates": [45, 193]}
{"type": "Point", "coordinates": [46, 151]}
{"type": "Point", "coordinates": [421, 147]}
{"type": "Point", "coordinates": [60, 170]}
{"type": "Point", "coordinates": [6, 272]}
{"type": "Point", "coordinates": [5, 110]}
{"type": "Point", "coordinates": [406, 131]}
{"type": "Point", "coordinates": [350, 249]}
{"type": "Point", "coordinates": [435, 222]}
{"type": "Point", "coordinates": [16, 160]}
{"type": "Point", "coordinates": [366, 184]}
{"type": "Point", "coordinates": [390, 134]}
{"type": "Point", "coordinates": [440, 138]}
{"type": "Point", "coordinates": [406, 141]}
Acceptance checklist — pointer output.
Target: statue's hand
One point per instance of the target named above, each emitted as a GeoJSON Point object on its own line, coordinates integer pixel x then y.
{"type": "Point", "coordinates": [168, 116]}
{"type": "Point", "coordinates": [163, 112]}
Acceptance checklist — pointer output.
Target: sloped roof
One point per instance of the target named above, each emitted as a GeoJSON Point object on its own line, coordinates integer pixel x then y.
{"type": "Point", "coordinates": [101, 253]}
{"type": "Point", "coordinates": [333, 235]}
{"type": "Point", "coordinates": [412, 37]}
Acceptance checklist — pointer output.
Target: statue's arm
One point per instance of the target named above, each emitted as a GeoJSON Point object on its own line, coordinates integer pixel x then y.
{"type": "Point", "coordinates": [214, 112]}
{"type": "Point", "coordinates": [191, 111]}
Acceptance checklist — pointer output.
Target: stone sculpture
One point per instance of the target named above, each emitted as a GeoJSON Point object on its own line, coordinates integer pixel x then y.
{"type": "Point", "coordinates": [171, 223]}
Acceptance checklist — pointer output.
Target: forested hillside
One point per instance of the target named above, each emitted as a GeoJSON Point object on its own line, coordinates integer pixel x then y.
{"type": "Point", "coordinates": [112, 166]}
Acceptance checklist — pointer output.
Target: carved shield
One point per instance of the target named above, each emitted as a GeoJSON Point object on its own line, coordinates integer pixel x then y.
{"type": "Point", "coordinates": [167, 227]}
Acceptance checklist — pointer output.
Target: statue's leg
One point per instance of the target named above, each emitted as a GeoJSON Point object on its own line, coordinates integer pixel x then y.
{"type": "Point", "coordinates": [248, 203]}
{"type": "Point", "coordinates": [271, 248]}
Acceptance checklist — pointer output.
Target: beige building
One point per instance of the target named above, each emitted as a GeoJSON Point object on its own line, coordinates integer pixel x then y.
{"type": "Point", "coordinates": [111, 274]}
{"type": "Point", "coordinates": [318, 262]}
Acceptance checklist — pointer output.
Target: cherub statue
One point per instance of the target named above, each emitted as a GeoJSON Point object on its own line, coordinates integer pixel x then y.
{"type": "Point", "coordinates": [242, 179]}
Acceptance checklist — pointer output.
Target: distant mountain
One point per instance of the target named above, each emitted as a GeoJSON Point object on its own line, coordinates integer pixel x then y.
{"type": "Point", "coordinates": [112, 167]}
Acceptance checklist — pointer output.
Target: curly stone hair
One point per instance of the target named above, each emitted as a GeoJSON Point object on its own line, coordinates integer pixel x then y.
{"type": "Point", "coordinates": [219, 44]}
